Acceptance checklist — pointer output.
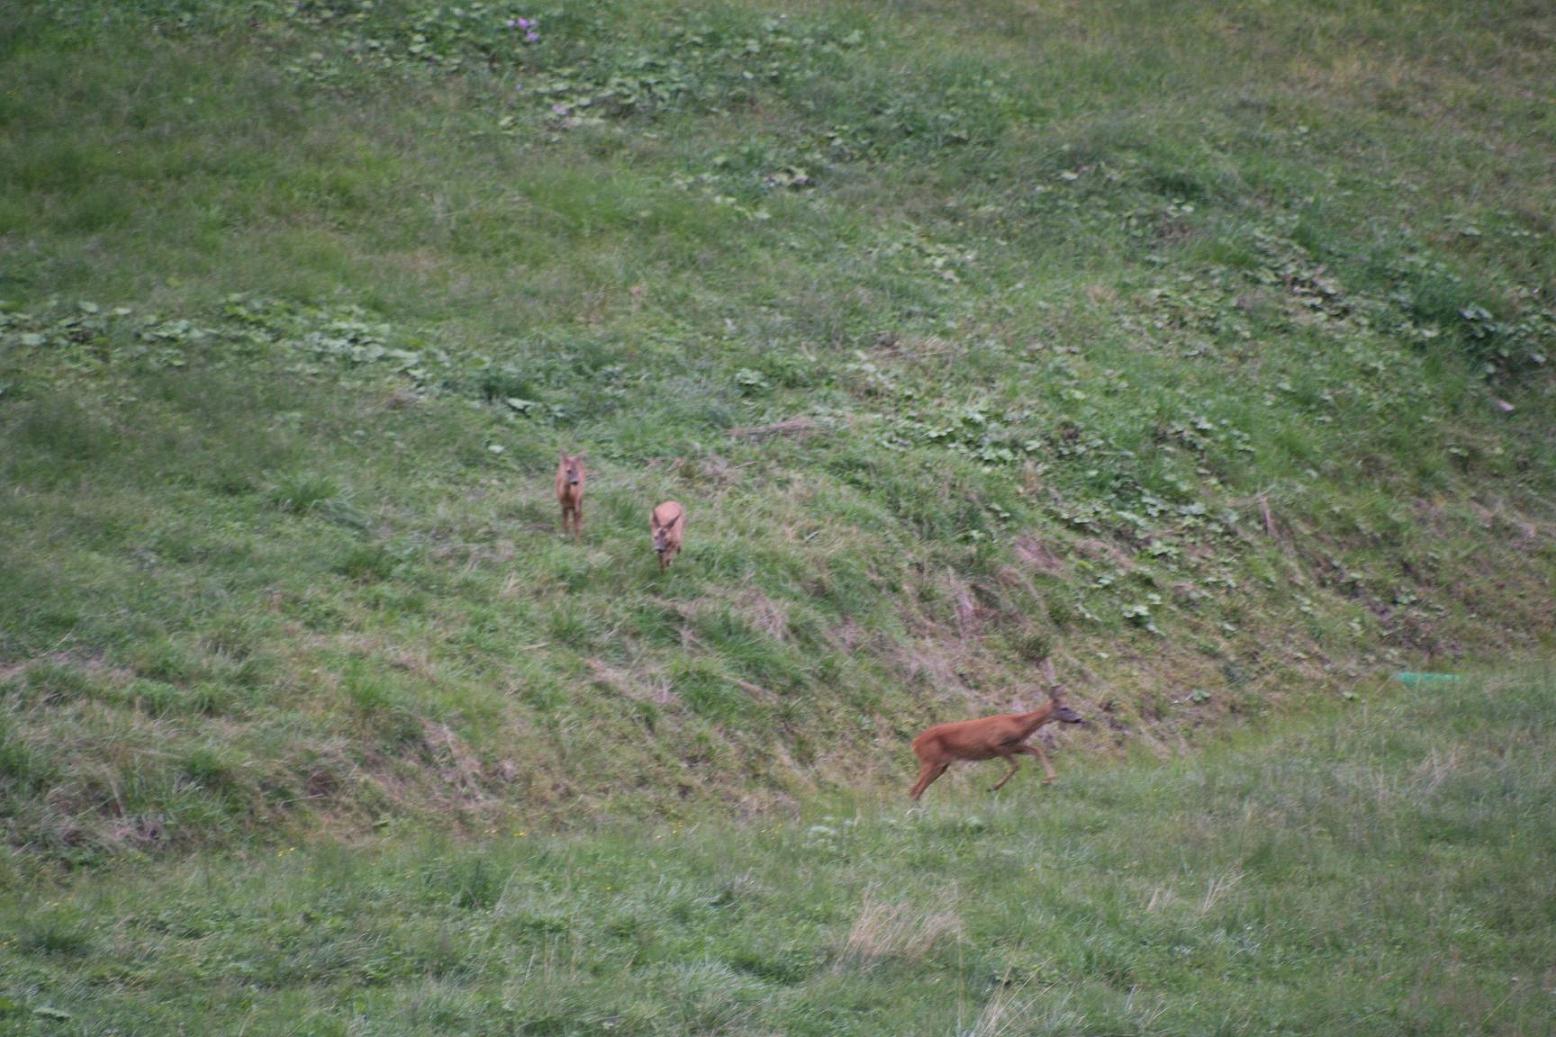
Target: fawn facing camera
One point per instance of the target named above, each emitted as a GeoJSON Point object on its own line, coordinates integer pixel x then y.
{"type": "Point", "coordinates": [570, 477]}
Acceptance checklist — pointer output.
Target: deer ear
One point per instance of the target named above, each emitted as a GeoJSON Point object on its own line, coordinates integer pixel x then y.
{"type": "Point", "coordinates": [672, 522]}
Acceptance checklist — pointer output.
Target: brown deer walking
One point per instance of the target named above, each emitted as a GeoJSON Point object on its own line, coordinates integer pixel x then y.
{"type": "Point", "coordinates": [570, 477]}
{"type": "Point", "coordinates": [668, 524]}
{"type": "Point", "coordinates": [985, 738]}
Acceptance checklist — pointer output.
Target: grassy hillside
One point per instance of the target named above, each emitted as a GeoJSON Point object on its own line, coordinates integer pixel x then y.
{"type": "Point", "coordinates": [1204, 351]}
{"type": "Point", "coordinates": [1386, 867]}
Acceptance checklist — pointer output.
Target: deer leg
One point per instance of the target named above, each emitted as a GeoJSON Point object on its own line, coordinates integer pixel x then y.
{"type": "Point", "coordinates": [927, 774]}
{"type": "Point", "coordinates": [1010, 759]}
{"type": "Point", "coordinates": [578, 521]}
{"type": "Point", "coordinates": [1035, 748]}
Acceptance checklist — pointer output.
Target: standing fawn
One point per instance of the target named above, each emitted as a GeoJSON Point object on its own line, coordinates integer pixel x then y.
{"type": "Point", "coordinates": [668, 524]}
{"type": "Point", "coordinates": [983, 739]}
{"type": "Point", "coordinates": [570, 477]}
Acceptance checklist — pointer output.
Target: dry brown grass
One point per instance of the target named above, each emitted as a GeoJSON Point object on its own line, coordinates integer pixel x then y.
{"type": "Point", "coordinates": [885, 931]}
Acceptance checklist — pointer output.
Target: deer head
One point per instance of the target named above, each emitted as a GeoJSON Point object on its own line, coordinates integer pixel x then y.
{"type": "Point", "coordinates": [1062, 712]}
{"type": "Point", "coordinates": [571, 465]}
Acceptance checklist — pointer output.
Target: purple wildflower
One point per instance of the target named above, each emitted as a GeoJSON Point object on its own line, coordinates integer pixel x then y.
{"type": "Point", "coordinates": [531, 36]}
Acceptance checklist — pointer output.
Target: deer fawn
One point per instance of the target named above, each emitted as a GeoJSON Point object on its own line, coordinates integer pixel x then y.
{"type": "Point", "coordinates": [668, 524]}
{"type": "Point", "coordinates": [985, 738]}
{"type": "Point", "coordinates": [570, 478]}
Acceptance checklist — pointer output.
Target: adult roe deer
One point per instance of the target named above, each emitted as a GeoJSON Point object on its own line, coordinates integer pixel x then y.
{"type": "Point", "coordinates": [668, 524]}
{"type": "Point", "coordinates": [1004, 736]}
{"type": "Point", "coordinates": [570, 478]}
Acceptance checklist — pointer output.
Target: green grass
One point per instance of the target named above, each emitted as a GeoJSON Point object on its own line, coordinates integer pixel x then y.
{"type": "Point", "coordinates": [1171, 341]}
{"type": "Point", "coordinates": [1382, 866]}
{"type": "Point", "coordinates": [1202, 351]}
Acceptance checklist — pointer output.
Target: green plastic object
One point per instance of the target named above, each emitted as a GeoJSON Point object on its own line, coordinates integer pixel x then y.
{"type": "Point", "coordinates": [1408, 677]}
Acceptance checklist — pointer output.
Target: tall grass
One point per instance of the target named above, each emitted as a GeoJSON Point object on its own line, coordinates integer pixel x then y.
{"type": "Point", "coordinates": [1383, 866]}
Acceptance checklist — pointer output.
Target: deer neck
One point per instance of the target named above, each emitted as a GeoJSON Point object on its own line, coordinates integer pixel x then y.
{"type": "Point", "coordinates": [1037, 718]}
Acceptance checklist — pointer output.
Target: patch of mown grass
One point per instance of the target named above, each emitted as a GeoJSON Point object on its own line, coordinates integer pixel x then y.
{"type": "Point", "coordinates": [1384, 863]}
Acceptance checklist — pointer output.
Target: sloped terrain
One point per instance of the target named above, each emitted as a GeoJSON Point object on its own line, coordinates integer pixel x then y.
{"type": "Point", "coordinates": [1370, 867]}
{"type": "Point", "coordinates": [1203, 353]}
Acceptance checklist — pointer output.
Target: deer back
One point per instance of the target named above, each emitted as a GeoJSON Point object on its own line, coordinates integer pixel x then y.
{"type": "Point", "coordinates": [667, 522]}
